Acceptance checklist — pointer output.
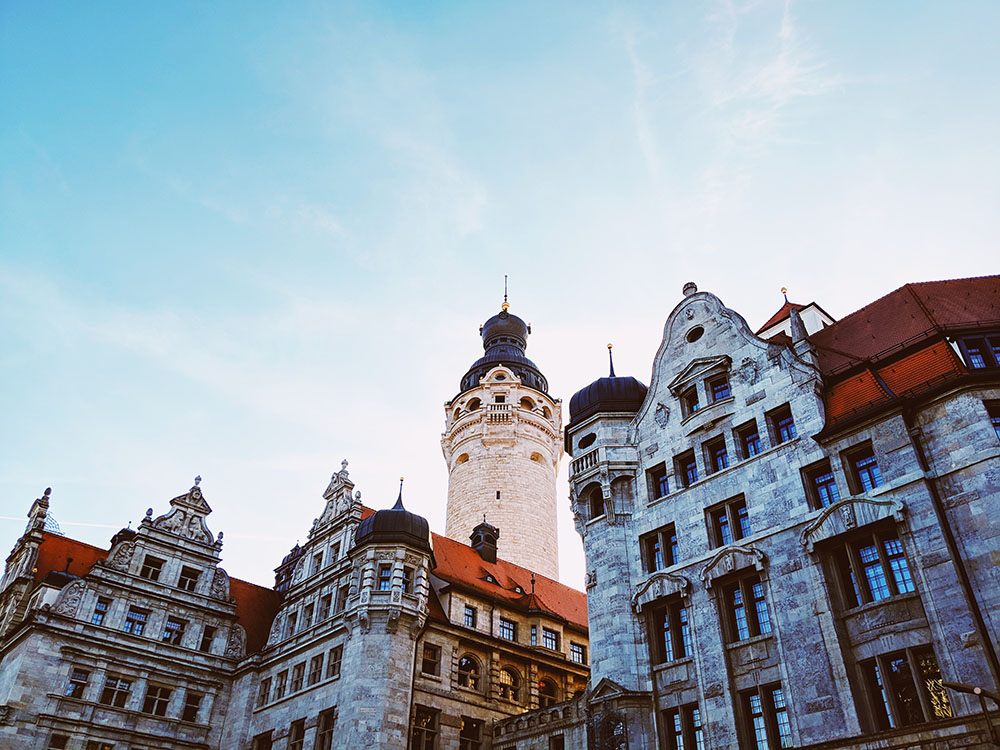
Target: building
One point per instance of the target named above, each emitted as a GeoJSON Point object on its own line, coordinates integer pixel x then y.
{"type": "Point", "coordinates": [377, 632]}
{"type": "Point", "coordinates": [792, 537]}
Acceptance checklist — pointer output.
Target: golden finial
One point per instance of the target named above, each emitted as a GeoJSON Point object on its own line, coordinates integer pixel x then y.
{"type": "Point", "coordinates": [611, 363]}
{"type": "Point", "coordinates": [784, 291]}
{"type": "Point", "coordinates": [505, 307]}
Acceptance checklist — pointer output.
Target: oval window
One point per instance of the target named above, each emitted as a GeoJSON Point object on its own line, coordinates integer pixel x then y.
{"type": "Point", "coordinates": [462, 459]}
{"type": "Point", "coordinates": [537, 458]}
{"type": "Point", "coordinates": [587, 440]}
{"type": "Point", "coordinates": [474, 404]}
{"type": "Point", "coordinates": [694, 334]}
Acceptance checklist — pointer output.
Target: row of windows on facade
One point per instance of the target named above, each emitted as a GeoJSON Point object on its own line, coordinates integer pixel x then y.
{"type": "Point", "coordinates": [507, 629]}
{"type": "Point", "coordinates": [117, 689]}
{"type": "Point", "coordinates": [137, 619]}
{"type": "Point", "coordinates": [323, 739]}
{"type": "Point", "coordinates": [426, 728]}
{"type": "Point", "coordinates": [321, 560]}
{"type": "Point", "coordinates": [276, 688]}
{"type": "Point", "coordinates": [310, 614]}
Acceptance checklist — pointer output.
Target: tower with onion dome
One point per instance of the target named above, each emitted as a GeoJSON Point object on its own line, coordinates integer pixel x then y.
{"type": "Point", "coordinates": [503, 444]}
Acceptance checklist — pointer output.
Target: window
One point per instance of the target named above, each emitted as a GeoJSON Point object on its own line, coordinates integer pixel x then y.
{"type": "Point", "coordinates": [534, 635]}
{"type": "Point", "coordinates": [264, 692]}
{"type": "Point", "coordinates": [993, 409]}
{"type": "Point", "coordinates": [470, 616]}
{"type": "Point", "coordinates": [98, 745]}
{"type": "Point", "coordinates": [262, 741]}
{"type": "Point", "coordinates": [173, 630]}
{"type": "Point", "coordinates": [716, 454]}
{"type": "Point", "coordinates": [550, 639]}
{"type": "Point", "coordinates": [766, 717]}
{"type": "Point", "coordinates": [431, 663]}
{"type": "Point", "coordinates": [100, 611]}
{"type": "Point", "coordinates": [151, 568]}
{"type": "Point", "coordinates": [317, 563]}
{"type": "Point", "coordinates": [77, 682]}
{"type": "Point", "coordinates": [384, 577]}
{"type": "Point", "coordinates": [596, 503]}
{"type": "Point", "coordinates": [782, 425]}
{"type": "Point", "coordinates": [297, 734]}
{"type": "Point", "coordinates": [745, 607]}
{"type": "Point", "coordinates": [207, 636]}
{"type": "Point", "coordinates": [342, 593]}
{"type": "Point", "coordinates": [689, 401]}
{"type": "Point", "coordinates": [157, 698]}
{"type": "Point", "coordinates": [116, 690]}
{"type": "Point", "coordinates": [192, 704]}
{"type": "Point", "coordinates": [307, 616]}
{"type": "Point", "coordinates": [188, 579]}
{"type": "Point", "coordinates": [135, 621]}
{"type": "Point", "coordinates": [686, 468]}
{"type": "Point", "coordinates": [334, 554]}
{"type": "Point", "coordinates": [407, 580]}
{"type": "Point", "coordinates": [821, 485]}
{"type": "Point", "coordinates": [981, 353]}
{"type": "Point", "coordinates": [719, 388]}
{"type": "Point", "coordinates": [659, 548]}
{"type": "Point", "coordinates": [425, 729]}
{"type": "Point", "coordinates": [298, 675]}
{"type": "Point", "coordinates": [315, 669]}
{"type": "Point", "coordinates": [557, 742]}
{"type": "Point", "coordinates": [471, 735]}
{"type": "Point", "coordinates": [872, 567]}
{"type": "Point", "coordinates": [748, 440]}
{"type": "Point", "coordinates": [293, 621]}
{"type": "Point", "coordinates": [659, 483]}
{"type": "Point", "coordinates": [333, 663]}
{"type": "Point", "coordinates": [670, 631]}
{"type": "Point", "coordinates": [468, 672]}
{"type": "Point", "coordinates": [280, 683]}
{"type": "Point", "coordinates": [577, 653]}
{"type": "Point", "coordinates": [510, 685]}
{"type": "Point", "coordinates": [728, 522]}
{"type": "Point", "coordinates": [684, 728]}
{"type": "Point", "coordinates": [508, 629]}
{"type": "Point", "coordinates": [864, 469]}
{"type": "Point", "coordinates": [324, 731]}
{"type": "Point", "coordinates": [58, 742]}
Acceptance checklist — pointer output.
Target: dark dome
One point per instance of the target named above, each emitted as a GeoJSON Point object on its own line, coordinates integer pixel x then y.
{"type": "Point", "coordinates": [607, 395]}
{"type": "Point", "coordinates": [395, 524]}
{"type": "Point", "coordinates": [505, 337]}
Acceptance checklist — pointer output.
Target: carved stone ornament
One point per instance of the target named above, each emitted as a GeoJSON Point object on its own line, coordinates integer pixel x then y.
{"type": "Point", "coordinates": [662, 414]}
{"type": "Point", "coordinates": [69, 599]}
{"type": "Point", "coordinates": [121, 557]}
{"type": "Point", "coordinates": [731, 558]}
{"type": "Point", "coordinates": [275, 634]}
{"type": "Point", "coordinates": [6, 715]}
{"type": "Point", "coordinates": [657, 586]}
{"type": "Point", "coordinates": [385, 556]}
{"type": "Point", "coordinates": [396, 596]}
{"type": "Point", "coordinates": [848, 514]}
{"type": "Point", "coordinates": [747, 371]}
{"type": "Point", "coordinates": [185, 522]}
{"type": "Point", "coordinates": [591, 579]}
{"type": "Point", "coordinates": [220, 585]}
{"type": "Point", "coordinates": [236, 647]}
{"type": "Point", "coordinates": [300, 571]}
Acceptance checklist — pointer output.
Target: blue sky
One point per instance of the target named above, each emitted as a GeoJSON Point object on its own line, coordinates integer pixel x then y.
{"type": "Point", "coordinates": [247, 240]}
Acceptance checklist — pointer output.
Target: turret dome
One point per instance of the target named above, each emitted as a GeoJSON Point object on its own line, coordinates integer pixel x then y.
{"type": "Point", "coordinates": [394, 525]}
{"type": "Point", "coordinates": [505, 337]}
{"type": "Point", "coordinates": [610, 394]}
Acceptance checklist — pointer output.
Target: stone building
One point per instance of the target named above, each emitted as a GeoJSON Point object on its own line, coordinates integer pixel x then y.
{"type": "Point", "coordinates": [377, 632]}
{"type": "Point", "coordinates": [792, 537]}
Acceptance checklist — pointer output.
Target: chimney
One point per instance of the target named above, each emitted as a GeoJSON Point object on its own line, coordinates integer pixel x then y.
{"type": "Point", "coordinates": [484, 541]}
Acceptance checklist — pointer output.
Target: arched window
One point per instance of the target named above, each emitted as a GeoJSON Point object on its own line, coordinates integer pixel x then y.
{"type": "Point", "coordinates": [475, 404]}
{"type": "Point", "coordinates": [468, 672]}
{"type": "Point", "coordinates": [527, 403]}
{"type": "Point", "coordinates": [510, 685]}
{"type": "Point", "coordinates": [615, 737]}
{"type": "Point", "coordinates": [596, 503]}
{"type": "Point", "coordinates": [547, 692]}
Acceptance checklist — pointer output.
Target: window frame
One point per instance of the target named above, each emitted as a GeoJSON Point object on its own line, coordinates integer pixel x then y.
{"type": "Point", "coordinates": [712, 387]}
{"type": "Point", "coordinates": [433, 660]}
{"type": "Point", "coordinates": [509, 691]}
{"type": "Point", "coordinates": [860, 476]}
{"type": "Point", "coordinates": [152, 568]}
{"type": "Point", "coordinates": [659, 548]}
{"type": "Point", "coordinates": [101, 608]}
{"type": "Point", "coordinates": [550, 639]}
{"type": "Point", "coordinates": [686, 468]}
{"type": "Point", "coordinates": [684, 727]}
{"type": "Point", "coordinates": [425, 728]}
{"type": "Point", "coordinates": [116, 691]}
{"type": "Point", "coordinates": [336, 656]}
{"type": "Point", "coordinates": [208, 634]}
{"type": "Point", "coordinates": [658, 481]}
{"type": "Point", "coordinates": [577, 653]}
{"type": "Point", "coordinates": [186, 581]}
{"type": "Point", "coordinates": [716, 455]}
{"type": "Point", "coordinates": [470, 616]}
{"type": "Point", "coordinates": [297, 734]}
{"type": "Point", "coordinates": [77, 683]}
{"type": "Point", "coordinates": [847, 562]}
{"type": "Point", "coordinates": [136, 620]}
{"type": "Point", "coordinates": [747, 437]}
{"type": "Point", "coordinates": [507, 629]}
{"type": "Point", "coordinates": [817, 489]}
{"type": "Point", "coordinates": [315, 673]}
{"type": "Point", "coordinates": [993, 412]}
{"type": "Point", "coordinates": [670, 633]}
{"type": "Point", "coordinates": [690, 401]}
{"type": "Point", "coordinates": [156, 700]}
{"type": "Point", "coordinates": [756, 620]}
{"type": "Point", "coordinates": [774, 718]}
{"type": "Point", "coordinates": [781, 423]}
{"type": "Point", "coordinates": [192, 706]}
{"type": "Point", "coordinates": [324, 729]}
{"type": "Point", "coordinates": [470, 679]}
{"type": "Point", "coordinates": [883, 708]}
{"type": "Point", "coordinates": [383, 580]}
{"type": "Point", "coordinates": [728, 515]}
{"type": "Point", "coordinates": [298, 678]}
{"type": "Point", "coordinates": [470, 734]}
{"type": "Point", "coordinates": [173, 630]}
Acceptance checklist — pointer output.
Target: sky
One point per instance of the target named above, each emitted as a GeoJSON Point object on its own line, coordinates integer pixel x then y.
{"type": "Point", "coordinates": [247, 240]}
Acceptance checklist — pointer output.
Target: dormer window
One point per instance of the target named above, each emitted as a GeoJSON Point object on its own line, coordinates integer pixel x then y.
{"type": "Point", "coordinates": [490, 579]}
{"type": "Point", "coordinates": [518, 590]}
{"type": "Point", "coordinates": [689, 401]}
{"type": "Point", "coordinates": [500, 398]}
{"type": "Point", "coordinates": [719, 388]}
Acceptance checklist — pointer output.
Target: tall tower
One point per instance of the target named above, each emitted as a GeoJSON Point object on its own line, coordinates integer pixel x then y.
{"type": "Point", "coordinates": [503, 443]}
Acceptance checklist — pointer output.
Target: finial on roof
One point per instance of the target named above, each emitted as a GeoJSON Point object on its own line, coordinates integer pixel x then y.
{"type": "Point", "coordinates": [611, 362]}
{"type": "Point", "coordinates": [689, 288]}
{"type": "Point", "coordinates": [399, 500]}
{"type": "Point", "coordinates": [197, 480]}
{"type": "Point", "coordinates": [48, 491]}
{"type": "Point", "coordinates": [343, 465]}
{"type": "Point", "coordinates": [505, 306]}
{"type": "Point", "coordinates": [532, 583]}
{"type": "Point", "coordinates": [784, 291]}
{"type": "Point", "coordinates": [484, 518]}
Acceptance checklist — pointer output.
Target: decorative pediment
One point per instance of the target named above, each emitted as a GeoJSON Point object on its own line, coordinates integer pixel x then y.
{"type": "Point", "coordinates": [733, 557]}
{"type": "Point", "coordinates": [607, 689]}
{"type": "Point", "coordinates": [849, 514]}
{"type": "Point", "coordinates": [185, 522]}
{"type": "Point", "coordinates": [658, 585]}
{"type": "Point", "coordinates": [698, 369]}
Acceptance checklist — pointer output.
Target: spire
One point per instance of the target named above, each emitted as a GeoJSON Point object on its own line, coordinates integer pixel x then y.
{"type": "Point", "coordinates": [611, 362]}
{"type": "Point", "coordinates": [399, 500]}
{"type": "Point", "coordinates": [784, 292]}
{"type": "Point", "coordinates": [505, 306]}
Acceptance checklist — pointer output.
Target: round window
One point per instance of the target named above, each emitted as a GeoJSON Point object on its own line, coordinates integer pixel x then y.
{"type": "Point", "coordinates": [694, 334]}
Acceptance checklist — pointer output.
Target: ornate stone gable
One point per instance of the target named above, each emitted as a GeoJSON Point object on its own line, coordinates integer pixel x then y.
{"type": "Point", "coordinates": [186, 517]}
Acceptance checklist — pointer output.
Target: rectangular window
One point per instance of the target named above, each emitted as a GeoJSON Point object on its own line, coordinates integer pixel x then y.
{"type": "Point", "coordinates": [207, 637]}
{"type": "Point", "coordinates": [508, 629]}
{"type": "Point", "coordinates": [993, 409]}
{"type": "Point", "coordinates": [905, 688]}
{"type": "Point", "coordinates": [116, 690]}
{"type": "Point", "coordinates": [342, 593]}
{"type": "Point", "coordinates": [659, 484]}
{"type": "Point", "coordinates": [716, 455]}
{"type": "Point", "coordinates": [334, 554]}
{"type": "Point", "coordinates": [151, 568]}
{"type": "Point", "coordinates": [821, 485]}
{"type": "Point", "coordinates": [557, 742]}
{"type": "Point", "coordinates": [746, 613]}
{"type": "Point", "coordinates": [297, 734]}
{"type": "Point", "coordinates": [728, 522]}
{"type": "Point", "coordinates": [670, 631]}
{"type": "Point", "coordinates": [550, 639]}
{"type": "Point", "coordinates": [307, 616]}
{"type": "Point", "coordinates": [280, 684]}
{"type": "Point", "coordinates": [684, 728]}
{"type": "Point", "coordinates": [782, 424]}
{"type": "Point", "coordinates": [317, 563]}
{"type": "Point", "coordinates": [173, 630]}
{"type": "Point", "coordinates": [77, 682]}
{"type": "Point", "coordinates": [157, 698]}
{"type": "Point", "coordinates": [659, 548]}
{"type": "Point", "coordinates": [135, 621]}
{"type": "Point", "coordinates": [298, 675]}
{"type": "Point", "coordinates": [719, 388]}
{"type": "Point", "coordinates": [577, 653]}
{"type": "Point", "coordinates": [981, 353]}
{"type": "Point", "coordinates": [324, 730]}
{"type": "Point", "coordinates": [292, 624]}
{"type": "Point", "coordinates": [407, 580]}
{"type": "Point", "coordinates": [100, 611]}
{"type": "Point", "coordinates": [263, 741]}
{"type": "Point", "coordinates": [325, 603]}
{"type": "Point", "coordinates": [384, 577]}
{"type": "Point", "coordinates": [470, 737]}
{"type": "Point", "coordinates": [864, 469]}
{"type": "Point", "coordinates": [98, 745]}
{"type": "Point", "coordinates": [872, 567]}
{"type": "Point", "coordinates": [425, 729]}
{"type": "Point", "coordinates": [686, 468]}
{"type": "Point", "coordinates": [264, 693]}
{"type": "Point", "coordinates": [315, 669]}
{"type": "Point", "coordinates": [58, 742]}
{"type": "Point", "coordinates": [333, 663]}
{"type": "Point", "coordinates": [192, 704]}
{"type": "Point", "coordinates": [470, 616]}
{"type": "Point", "coordinates": [188, 579]}
{"type": "Point", "coordinates": [431, 663]}
{"type": "Point", "coordinates": [689, 401]}
{"type": "Point", "coordinates": [766, 716]}
{"type": "Point", "coordinates": [748, 440]}
{"type": "Point", "coordinates": [534, 635]}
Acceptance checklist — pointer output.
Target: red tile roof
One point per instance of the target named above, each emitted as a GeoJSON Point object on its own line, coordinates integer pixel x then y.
{"type": "Point", "coordinates": [853, 395]}
{"type": "Point", "coordinates": [55, 551]}
{"type": "Point", "coordinates": [783, 312]}
{"type": "Point", "coordinates": [927, 365]}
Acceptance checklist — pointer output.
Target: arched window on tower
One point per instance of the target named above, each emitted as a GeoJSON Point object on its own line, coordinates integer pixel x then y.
{"type": "Point", "coordinates": [468, 672]}
{"type": "Point", "coordinates": [510, 685]}
{"type": "Point", "coordinates": [596, 501]}
{"type": "Point", "coordinates": [547, 692]}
